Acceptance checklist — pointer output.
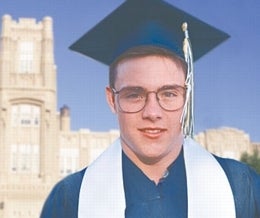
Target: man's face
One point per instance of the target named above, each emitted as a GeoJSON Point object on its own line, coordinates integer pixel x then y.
{"type": "Point", "coordinates": [152, 134]}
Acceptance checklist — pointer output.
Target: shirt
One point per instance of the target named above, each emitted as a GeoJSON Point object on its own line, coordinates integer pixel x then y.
{"type": "Point", "coordinates": [167, 199]}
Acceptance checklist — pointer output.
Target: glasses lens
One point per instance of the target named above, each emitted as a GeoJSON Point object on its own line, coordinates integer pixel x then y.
{"type": "Point", "coordinates": [131, 99]}
{"type": "Point", "coordinates": [171, 98]}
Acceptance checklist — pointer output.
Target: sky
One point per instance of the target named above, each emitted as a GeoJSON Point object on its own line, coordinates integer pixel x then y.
{"type": "Point", "coordinates": [227, 89]}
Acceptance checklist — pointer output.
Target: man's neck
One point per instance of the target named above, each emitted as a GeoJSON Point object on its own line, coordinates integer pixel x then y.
{"type": "Point", "coordinates": [154, 169]}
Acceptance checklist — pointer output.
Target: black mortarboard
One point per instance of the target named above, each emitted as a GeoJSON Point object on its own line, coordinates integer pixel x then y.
{"type": "Point", "coordinates": [143, 22]}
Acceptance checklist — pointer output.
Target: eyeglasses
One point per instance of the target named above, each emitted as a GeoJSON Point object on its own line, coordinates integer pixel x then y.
{"type": "Point", "coordinates": [133, 99]}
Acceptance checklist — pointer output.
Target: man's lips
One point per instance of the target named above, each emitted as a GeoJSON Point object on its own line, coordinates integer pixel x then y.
{"type": "Point", "coordinates": [152, 132]}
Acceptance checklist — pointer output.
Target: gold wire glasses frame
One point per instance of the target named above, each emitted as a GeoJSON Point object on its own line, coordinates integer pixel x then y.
{"type": "Point", "coordinates": [133, 99]}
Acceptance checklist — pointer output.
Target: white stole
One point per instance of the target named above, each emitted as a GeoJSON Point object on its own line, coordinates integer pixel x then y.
{"type": "Point", "coordinates": [209, 192]}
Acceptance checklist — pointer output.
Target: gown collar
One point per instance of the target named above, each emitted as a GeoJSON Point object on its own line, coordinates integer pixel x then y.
{"type": "Point", "coordinates": [209, 191]}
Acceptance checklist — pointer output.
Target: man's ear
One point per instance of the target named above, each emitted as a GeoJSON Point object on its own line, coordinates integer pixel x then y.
{"type": "Point", "coordinates": [110, 99]}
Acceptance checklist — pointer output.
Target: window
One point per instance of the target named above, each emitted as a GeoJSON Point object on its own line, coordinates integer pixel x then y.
{"type": "Point", "coordinates": [25, 115]}
{"type": "Point", "coordinates": [25, 122]}
{"type": "Point", "coordinates": [25, 57]}
{"type": "Point", "coordinates": [25, 158]}
{"type": "Point", "coordinates": [69, 158]}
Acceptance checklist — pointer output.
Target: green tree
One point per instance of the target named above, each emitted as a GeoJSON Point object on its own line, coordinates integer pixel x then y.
{"type": "Point", "coordinates": [252, 160]}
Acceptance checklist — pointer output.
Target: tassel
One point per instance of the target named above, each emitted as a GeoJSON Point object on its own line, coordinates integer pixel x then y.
{"type": "Point", "coordinates": [187, 118]}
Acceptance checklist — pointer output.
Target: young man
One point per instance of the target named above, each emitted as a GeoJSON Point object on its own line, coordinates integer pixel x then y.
{"type": "Point", "coordinates": [153, 169]}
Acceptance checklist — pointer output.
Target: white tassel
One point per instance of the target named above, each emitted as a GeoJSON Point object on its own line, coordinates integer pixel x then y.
{"type": "Point", "coordinates": [187, 118]}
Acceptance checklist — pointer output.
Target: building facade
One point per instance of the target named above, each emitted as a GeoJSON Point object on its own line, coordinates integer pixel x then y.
{"type": "Point", "coordinates": [37, 146]}
{"type": "Point", "coordinates": [226, 142]}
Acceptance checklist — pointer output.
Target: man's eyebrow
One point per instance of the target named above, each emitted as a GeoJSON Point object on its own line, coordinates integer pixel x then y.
{"type": "Point", "coordinates": [168, 86]}
{"type": "Point", "coordinates": [133, 87]}
{"type": "Point", "coordinates": [172, 86]}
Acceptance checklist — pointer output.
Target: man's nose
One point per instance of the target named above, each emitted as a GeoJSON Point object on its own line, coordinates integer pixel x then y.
{"type": "Point", "coordinates": [152, 109]}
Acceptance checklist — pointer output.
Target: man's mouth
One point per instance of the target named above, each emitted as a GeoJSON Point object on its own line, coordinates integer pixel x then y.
{"type": "Point", "coordinates": [152, 132]}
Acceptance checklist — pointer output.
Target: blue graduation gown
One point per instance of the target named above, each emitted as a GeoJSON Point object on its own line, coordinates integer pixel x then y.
{"type": "Point", "coordinates": [167, 199]}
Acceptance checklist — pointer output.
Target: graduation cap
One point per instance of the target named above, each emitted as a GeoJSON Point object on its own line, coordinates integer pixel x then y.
{"type": "Point", "coordinates": [157, 23]}
{"type": "Point", "coordinates": [146, 22]}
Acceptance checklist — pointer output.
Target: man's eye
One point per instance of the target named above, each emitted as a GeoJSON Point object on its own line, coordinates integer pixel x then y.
{"type": "Point", "coordinates": [169, 94]}
{"type": "Point", "coordinates": [132, 95]}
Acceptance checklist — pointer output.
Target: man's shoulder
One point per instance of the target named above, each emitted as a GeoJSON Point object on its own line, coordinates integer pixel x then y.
{"type": "Point", "coordinates": [245, 184]}
{"type": "Point", "coordinates": [235, 166]}
{"type": "Point", "coordinates": [70, 185]}
{"type": "Point", "coordinates": [73, 179]}
{"type": "Point", "coordinates": [242, 177]}
{"type": "Point", "coordinates": [63, 199]}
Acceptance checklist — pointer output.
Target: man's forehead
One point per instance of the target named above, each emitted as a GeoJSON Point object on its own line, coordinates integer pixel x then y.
{"type": "Point", "coordinates": [172, 63]}
{"type": "Point", "coordinates": [148, 71]}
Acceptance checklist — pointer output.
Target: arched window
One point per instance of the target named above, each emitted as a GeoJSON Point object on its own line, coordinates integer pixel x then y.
{"type": "Point", "coordinates": [25, 115]}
